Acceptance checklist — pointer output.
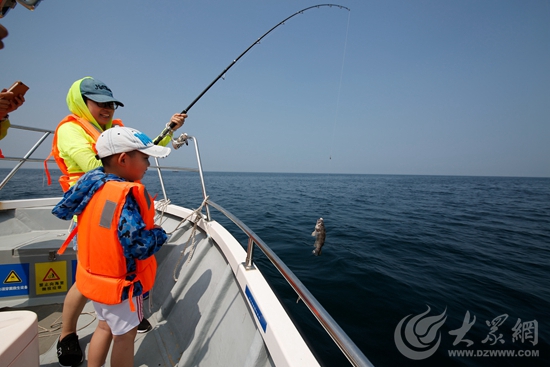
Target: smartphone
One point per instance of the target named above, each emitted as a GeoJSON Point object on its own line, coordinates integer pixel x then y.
{"type": "Point", "coordinates": [18, 88]}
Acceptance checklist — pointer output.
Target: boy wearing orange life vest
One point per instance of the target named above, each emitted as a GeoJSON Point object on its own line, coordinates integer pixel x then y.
{"type": "Point", "coordinates": [117, 238]}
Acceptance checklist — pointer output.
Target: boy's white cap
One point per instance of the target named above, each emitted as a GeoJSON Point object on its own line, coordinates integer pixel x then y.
{"type": "Point", "coordinates": [125, 139]}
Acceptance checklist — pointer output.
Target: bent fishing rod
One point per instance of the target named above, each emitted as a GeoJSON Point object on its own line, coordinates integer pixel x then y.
{"type": "Point", "coordinates": [170, 126]}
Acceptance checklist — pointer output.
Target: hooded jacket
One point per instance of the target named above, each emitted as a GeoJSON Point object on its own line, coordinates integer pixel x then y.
{"type": "Point", "coordinates": [73, 145]}
{"type": "Point", "coordinates": [137, 241]}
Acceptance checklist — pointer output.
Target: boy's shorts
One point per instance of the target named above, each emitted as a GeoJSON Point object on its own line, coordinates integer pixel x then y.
{"type": "Point", "coordinates": [119, 317]}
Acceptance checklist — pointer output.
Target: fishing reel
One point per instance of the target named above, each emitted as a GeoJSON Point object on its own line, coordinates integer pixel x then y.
{"type": "Point", "coordinates": [182, 139]}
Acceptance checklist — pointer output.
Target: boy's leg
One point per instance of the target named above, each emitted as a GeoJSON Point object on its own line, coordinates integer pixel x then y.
{"type": "Point", "coordinates": [123, 349]}
{"type": "Point", "coordinates": [122, 325]}
{"type": "Point", "coordinates": [72, 308]}
{"type": "Point", "coordinates": [99, 345]}
{"type": "Point", "coordinates": [68, 348]}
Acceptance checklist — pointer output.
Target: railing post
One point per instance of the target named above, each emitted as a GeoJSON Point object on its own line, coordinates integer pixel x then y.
{"type": "Point", "coordinates": [199, 164]}
{"type": "Point", "coordinates": [160, 178]}
{"type": "Point", "coordinates": [249, 250]}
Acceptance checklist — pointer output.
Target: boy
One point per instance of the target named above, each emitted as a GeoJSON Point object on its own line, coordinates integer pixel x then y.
{"type": "Point", "coordinates": [117, 238]}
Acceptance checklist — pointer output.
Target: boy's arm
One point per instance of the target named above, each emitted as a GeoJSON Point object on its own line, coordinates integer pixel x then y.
{"type": "Point", "coordinates": [138, 242]}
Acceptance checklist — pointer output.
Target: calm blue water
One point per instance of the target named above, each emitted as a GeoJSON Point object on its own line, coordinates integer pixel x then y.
{"type": "Point", "coordinates": [395, 245]}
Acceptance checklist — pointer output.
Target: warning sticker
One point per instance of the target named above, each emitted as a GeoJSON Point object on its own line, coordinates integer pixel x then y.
{"type": "Point", "coordinates": [12, 278]}
{"type": "Point", "coordinates": [15, 280]}
{"type": "Point", "coordinates": [51, 277]}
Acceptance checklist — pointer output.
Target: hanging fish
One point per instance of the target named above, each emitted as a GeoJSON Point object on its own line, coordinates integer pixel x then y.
{"type": "Point", "coordinates": [319, 235]}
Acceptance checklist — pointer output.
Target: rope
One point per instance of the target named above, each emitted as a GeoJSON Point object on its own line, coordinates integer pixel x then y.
{"type": "Point", "coordinates": [55, 327]}
{"type": "Point", "coordinates": [161, 206]}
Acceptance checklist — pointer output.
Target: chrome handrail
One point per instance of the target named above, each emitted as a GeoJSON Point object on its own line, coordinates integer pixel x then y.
{"type": "Point", "coordinates": [29, 153]}
{"type": "Point", "coordinates": [29, 128]}
{"type": "Point", "coordinates": [182, 140]}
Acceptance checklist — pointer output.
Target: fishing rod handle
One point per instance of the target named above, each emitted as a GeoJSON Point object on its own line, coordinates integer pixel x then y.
{"type": "Point", "coordinates": [167, 129]}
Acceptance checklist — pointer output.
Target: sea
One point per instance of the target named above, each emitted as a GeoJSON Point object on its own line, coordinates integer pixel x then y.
{"type": "Point", "coordinates": [417, 270]}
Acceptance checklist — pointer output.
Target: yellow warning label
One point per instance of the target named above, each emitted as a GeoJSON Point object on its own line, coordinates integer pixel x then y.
{"type": "Point", "coordinates": [12, 278]}
{"type": "Point", "coordinates": [51, 277]}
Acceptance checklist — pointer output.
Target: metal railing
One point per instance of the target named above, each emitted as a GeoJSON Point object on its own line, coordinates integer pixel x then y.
{"type": "Point", "coordinates": [26, 157]}
{"type": "Point", "coordinates": [341, 339]}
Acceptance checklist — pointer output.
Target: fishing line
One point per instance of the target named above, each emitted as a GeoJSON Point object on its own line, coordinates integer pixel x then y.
{"type": "Point", "coordinates": [329, 177]}
{"type": "Point", "coordinates": [329, 163]}
{"type": "Point", "coordinates": [339, 90]}
{"type": "Point", "coordinates": [169, 126]}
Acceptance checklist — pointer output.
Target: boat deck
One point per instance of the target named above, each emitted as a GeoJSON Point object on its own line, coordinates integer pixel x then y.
{"type": "Point", "coordinates": [205, 308]}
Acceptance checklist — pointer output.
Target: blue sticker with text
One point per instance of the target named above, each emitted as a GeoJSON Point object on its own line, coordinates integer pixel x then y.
{"type": "Point", "coordinates": [15, 280]}
{"type": "Point", "coordinates": [256, 309]}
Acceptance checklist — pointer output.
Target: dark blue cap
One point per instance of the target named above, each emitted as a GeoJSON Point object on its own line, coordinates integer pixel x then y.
{"type": "Point", "coordinates": [97, 91]}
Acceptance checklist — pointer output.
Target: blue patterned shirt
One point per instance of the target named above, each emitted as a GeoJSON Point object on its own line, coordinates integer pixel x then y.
{"type": "Point", "coordinates": [137, 241]}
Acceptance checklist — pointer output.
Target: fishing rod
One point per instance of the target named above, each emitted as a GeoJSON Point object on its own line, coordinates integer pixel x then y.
{"type": "Point", "coordinates": [170, 126]}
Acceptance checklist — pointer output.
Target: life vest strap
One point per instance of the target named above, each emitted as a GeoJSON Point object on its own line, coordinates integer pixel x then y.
{"type": "Point", "coordinates": [48, 176]}
{"type": "Point", "coordinates": [131, 298]}
{"type": "Point", "coordinates": [67, 241]}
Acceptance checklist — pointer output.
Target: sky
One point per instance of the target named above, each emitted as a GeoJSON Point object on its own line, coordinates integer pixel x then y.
{"type": "Point", "coordinates": [423, 87]}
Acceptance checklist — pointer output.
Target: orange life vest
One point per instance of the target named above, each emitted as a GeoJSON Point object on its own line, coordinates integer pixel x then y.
{"type": "Point", "coordinates": [67, 178]}
{"type": "Point", "coordinates": [101, 269]}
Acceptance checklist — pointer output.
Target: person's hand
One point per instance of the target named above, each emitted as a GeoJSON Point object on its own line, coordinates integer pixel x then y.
{"type": "Point", "coordinates": [178, 119]}
{"type": "Point", "coordinates": [5, 103]}
{"type": "Point", "coordinates": [9, 102]}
